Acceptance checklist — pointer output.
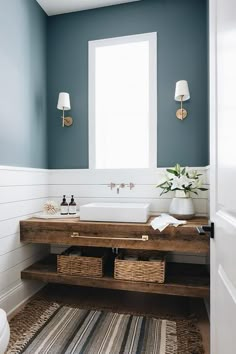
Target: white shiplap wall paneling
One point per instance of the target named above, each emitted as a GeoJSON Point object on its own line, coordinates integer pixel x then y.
{"type": "Point", "coordinates": [10, 259]}
{"type": "Point", "coordinates": [137, 176]}
{"type": "Point", "coordinates": [17, 176]}
{"type": "Point", "coordinates": [23, 192]}
{"type": "Point", "coordinates": [10, 243]}
{"type": "Point", "coordinates": [10, 194]}
{"type": "Point", "coordinates": [93, 185]}
{"type": "Point", "coordinates": [21, 208]}
{"type": "Point", "coordinates": [12, 225]}
{"type": "Point", "coordinates": [12, 275]}
{"type": "Point", "coordinates": [103, 191]}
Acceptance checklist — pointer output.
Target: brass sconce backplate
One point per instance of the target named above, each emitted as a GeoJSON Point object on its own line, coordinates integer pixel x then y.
{"type": "Point", "coordinates": [68, 121]}
{"type": "Point", "coordinates": [181, 113]}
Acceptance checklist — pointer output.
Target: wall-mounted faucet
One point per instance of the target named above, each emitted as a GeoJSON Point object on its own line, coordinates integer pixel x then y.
{"type": "Point", "coordinates": [121, 185]}
{"type": "Point", "coordinates": [112, 185]}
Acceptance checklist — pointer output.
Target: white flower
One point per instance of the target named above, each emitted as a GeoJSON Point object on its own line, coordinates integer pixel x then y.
{"type": "Point", "coordinates": [175, 184]}
{"type": "Point", "coordinates": [185, 181]}
{"type": "Point", "coordinates": [193, 174]}
{"type": "Point", "coordinates": [181, 178]}
{"type": "Point", "coordinates": [180, 182]}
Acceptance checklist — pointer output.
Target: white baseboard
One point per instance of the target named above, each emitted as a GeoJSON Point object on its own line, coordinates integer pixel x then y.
{"type": "Point", "coordinates": [18, 294]}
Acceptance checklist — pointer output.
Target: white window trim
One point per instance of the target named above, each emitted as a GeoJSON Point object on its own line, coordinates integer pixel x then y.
{"type": "Point", "coordinates": [92, 45]}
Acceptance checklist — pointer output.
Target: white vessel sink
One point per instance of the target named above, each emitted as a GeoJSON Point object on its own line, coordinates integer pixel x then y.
{"type": "Point", "coordinates": [116, 212]}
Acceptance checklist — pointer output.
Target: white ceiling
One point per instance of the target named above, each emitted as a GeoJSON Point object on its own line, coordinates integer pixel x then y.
{"type": "Point", "coordinates": [56, 7]}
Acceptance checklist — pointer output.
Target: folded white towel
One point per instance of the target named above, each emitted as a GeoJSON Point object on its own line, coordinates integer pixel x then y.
{"type": "Point", "coordinates": [164, 220]}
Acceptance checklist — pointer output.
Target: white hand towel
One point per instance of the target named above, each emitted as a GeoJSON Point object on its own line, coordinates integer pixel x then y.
{"type": "Point", "coordinates": [164, 220]}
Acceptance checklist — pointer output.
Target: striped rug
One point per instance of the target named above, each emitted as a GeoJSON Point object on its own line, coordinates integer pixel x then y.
{"type": "Point", "coordinates": [67, 330]}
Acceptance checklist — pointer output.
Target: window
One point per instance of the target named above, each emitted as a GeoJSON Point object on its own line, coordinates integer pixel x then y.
{"type": "Point", "coordinates": [122, 102]}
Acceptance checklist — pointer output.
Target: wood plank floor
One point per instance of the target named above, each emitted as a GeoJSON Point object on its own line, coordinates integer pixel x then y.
{"type": "Point", "coordinates": [126, 301]}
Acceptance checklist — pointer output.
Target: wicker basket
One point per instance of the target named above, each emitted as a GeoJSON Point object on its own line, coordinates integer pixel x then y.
{"type": "Point", "coordinates": [89, 264]}
{"type": "Point", "coordinates": [141, 269]}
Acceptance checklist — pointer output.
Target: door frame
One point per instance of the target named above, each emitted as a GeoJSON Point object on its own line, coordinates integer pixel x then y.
{"type": "Point", "coordinates": [213, 159]}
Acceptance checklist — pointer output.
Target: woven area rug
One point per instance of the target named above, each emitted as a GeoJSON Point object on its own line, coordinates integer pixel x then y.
{"type": "Point", "coordinates": [46, 327]}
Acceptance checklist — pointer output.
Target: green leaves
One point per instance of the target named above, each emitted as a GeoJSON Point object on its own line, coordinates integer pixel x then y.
{"type": "Point", "coordinates": [175, 170]}
{"type": "Point", "coordinates": [172, 171]}
{"type": "Point", "coordinates": [166, 183]}
{"type": "Point", "coordinates": [178, 168]}
{"type": "Point", "coordinates": [183, 171]}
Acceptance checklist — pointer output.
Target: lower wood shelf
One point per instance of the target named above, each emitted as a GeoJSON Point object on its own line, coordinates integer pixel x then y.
{"type": "Point", "coordinates": [181, 279]}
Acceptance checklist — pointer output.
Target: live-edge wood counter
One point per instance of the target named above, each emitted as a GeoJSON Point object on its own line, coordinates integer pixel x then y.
{"type": "Point", "coordinates": [183, 238]}
{"type": "Point", "coordinates": [181, 279]}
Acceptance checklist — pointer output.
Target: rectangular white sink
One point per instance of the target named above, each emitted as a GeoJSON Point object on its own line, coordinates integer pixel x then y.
{"type": "Point", "coordinates": [116, 212]}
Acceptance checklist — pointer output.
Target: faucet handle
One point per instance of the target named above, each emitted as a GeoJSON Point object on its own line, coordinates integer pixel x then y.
{"type": "Point", "coordinates": [131, 185]}
{"type": "Point", "coordinates": [111, 185]}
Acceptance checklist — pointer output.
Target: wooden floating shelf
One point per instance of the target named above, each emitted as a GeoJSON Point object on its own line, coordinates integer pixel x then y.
{"type": "Point", "coordinates": [74, 232]}
{"type": "Point", "coordinates": [181, 279]}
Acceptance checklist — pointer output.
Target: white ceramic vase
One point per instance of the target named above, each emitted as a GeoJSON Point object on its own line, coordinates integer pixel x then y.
{"type": "Point", "coordinates": [181, 206]}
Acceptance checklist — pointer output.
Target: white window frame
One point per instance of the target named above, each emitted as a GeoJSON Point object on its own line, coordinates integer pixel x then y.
{"type": "Point", "coordinates": [92, 45]}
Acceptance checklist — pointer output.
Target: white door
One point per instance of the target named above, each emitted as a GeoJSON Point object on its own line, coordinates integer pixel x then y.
{"type": "Point", "coordinates": [223, 174]}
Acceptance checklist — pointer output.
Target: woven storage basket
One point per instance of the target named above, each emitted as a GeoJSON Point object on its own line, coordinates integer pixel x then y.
{"type": "Point", "coordinates": [89, 264]}
{"type": "Point", "coordinates": [141, 269]}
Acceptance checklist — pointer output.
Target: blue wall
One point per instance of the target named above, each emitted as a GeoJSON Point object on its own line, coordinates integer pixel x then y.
{"type": "Point", "coordinates": [23, 138]}
{"type": "Point", "coordinates": [27, 125]}
{"type": "Point", "coordinates": [182, 54]}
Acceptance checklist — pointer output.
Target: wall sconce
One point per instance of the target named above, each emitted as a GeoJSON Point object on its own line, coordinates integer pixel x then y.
{"type": "Point", "coordinates": [182, 94]}
{"type": "Point", "coordinates": [64, 104]}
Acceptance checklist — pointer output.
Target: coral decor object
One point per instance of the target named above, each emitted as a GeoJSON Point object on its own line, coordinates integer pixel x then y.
{"type": "Point", "coordinates": [51, 207]}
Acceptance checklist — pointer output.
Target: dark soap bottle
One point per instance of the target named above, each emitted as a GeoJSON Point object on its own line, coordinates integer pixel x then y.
{"type": "Point", "coordinates": [72, 206]}
{"type": "Point", "coordinates": [64, 206]}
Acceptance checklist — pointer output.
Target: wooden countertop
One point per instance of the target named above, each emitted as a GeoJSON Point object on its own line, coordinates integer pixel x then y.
{"type": "Point", "coordinates": [184, 238]}
{"type": "Point", "coordinates": [190, 226]}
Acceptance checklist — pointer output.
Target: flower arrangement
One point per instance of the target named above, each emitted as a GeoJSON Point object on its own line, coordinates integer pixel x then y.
{"type": "Point", "coordinates": [51, 207]}
{"type": "Point", "coordinates": [181, 179]}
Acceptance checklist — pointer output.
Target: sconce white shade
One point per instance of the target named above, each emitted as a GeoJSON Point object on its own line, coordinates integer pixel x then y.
{"type": "Point", "coordinates": [182, 91]}
{"type": "Point", "coordinates": [64, 101]}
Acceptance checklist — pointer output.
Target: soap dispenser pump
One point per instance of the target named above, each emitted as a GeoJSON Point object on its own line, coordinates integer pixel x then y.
{"type": "Point", "coordinates": [72, 206]}
{"type": "Point", "coordinates": [64, 206]}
